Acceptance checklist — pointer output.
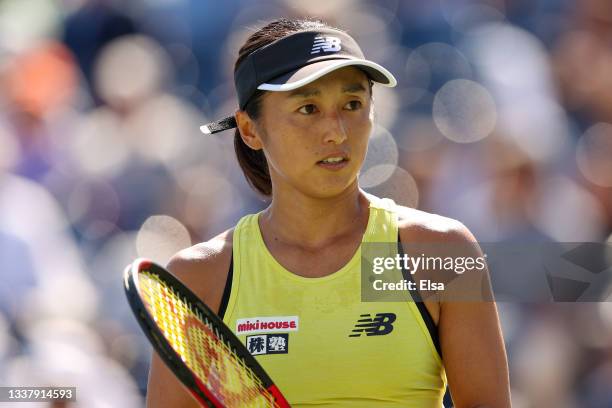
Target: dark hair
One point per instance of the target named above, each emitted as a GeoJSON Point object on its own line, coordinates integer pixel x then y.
{"type": "Point", "coordinates": [253, 162]}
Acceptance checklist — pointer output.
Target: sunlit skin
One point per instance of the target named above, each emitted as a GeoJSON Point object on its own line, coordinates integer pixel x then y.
{"type": "Point", "coordinates": [296, 130]}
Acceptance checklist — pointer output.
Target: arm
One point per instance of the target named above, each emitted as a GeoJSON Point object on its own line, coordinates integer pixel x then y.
{"type": "Point", "coordinates": [164, 389]}
{"type": "Point", "coordinates": [472, 344]}
{"type": "Point", "coordinates": [203, 268]}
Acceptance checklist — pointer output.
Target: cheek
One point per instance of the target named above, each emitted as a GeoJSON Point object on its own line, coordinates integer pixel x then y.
{"type": "Point", "coordinates": [286, 145]}
{"type": "Point", "coordinates": [361, 128]}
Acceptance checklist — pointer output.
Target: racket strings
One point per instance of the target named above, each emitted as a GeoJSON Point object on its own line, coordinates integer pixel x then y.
{"type": "Point", "coordinates": [228, 350]}
{"type": "Point", "coordinates": [252, 392]}
{"type": "Point", "coordinates": [202, 347]}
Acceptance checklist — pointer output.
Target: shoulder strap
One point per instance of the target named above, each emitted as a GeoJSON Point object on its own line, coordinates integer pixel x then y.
{"type": "Point", "coordinates": [416, 297]}
{"type": "Point", "coordinates": [228, 288]}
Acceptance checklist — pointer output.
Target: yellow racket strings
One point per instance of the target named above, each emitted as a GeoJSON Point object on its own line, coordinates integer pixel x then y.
{"type": "Point", "coordinates": [201, 346]}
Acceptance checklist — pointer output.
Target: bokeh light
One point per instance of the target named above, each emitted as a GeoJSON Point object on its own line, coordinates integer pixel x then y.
{"type": "Point", "coordinates": [594, 154]}
{"type": "Point", "coordinates": [464, 111]}
{"type": "Point", "coordinates": [23, 23]}
{"type": "Point", "coordinates": [382, 150]}
{"type": "Point", "coordinates": [160, 237]}
{"type": "Point", "coordinates": [162, 128]}
{"type": "Point", "coordinates": [400, 186]}
{"type": "Point", "coordinates": [131, 69]}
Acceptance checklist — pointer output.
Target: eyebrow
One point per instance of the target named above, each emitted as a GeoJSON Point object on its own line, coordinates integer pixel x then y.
{"type": "Point", "coordinates": [308, 92]}
{"type": "Point", "coordinates": [355, 87]}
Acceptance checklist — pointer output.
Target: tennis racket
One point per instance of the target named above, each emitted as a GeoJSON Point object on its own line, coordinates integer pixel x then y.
{"type": "Point", "coordinates": [194, 343]}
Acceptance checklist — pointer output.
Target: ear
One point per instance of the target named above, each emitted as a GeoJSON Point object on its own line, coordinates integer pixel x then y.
{"type": "Point", "coordinates": [248, 130]}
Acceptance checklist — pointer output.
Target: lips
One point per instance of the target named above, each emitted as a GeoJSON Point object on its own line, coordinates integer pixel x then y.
{"type": "Point", "coordinates": [334, 158]}
{"type": "Point", "coordinates": [334, 161]}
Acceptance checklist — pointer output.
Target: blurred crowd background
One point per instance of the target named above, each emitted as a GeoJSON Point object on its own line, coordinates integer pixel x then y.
{"type": "Point", "coordinates": [502, 119]}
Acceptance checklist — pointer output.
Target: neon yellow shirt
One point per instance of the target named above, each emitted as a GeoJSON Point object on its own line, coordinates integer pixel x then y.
{"type": "Point", "coordinates": [305, 333]}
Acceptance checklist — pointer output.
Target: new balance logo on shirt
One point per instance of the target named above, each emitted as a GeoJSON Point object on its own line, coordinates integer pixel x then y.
{"type": "Point", "coordinates": [325, 44]}
{"type": "Point", "coordinates": [378, 325]}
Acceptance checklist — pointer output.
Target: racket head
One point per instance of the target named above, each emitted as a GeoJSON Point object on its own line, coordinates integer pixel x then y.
{"type": "Point", "coordinates": [194, 343]}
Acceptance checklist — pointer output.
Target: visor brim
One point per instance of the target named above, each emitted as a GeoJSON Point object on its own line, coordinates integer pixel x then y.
{"type": "Point", "coordinates": [312, 72]}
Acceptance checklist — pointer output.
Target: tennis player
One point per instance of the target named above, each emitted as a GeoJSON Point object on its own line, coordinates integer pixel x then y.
{"type": "Point", "coordinates": [287, 280]}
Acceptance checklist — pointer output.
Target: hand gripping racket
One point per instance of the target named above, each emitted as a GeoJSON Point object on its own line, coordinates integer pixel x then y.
{"type": "Point", "coordinates": [194, 343]}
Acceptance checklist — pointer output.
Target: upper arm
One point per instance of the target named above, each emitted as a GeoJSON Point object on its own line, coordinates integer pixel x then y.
{"type": "Point", "coordinates": [203, 268]}
{"type": "Point", "coordinates": [471, 338]}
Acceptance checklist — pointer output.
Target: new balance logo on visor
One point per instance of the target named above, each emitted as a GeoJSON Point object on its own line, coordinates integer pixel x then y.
{"type": "Point", "coordinates": [325, 44]}
{"type": "Point", "coordinates": [381, 324]}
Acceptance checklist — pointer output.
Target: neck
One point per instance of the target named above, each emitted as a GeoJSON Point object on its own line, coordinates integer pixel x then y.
{"type": "Point", "coordinates": [309, 222]}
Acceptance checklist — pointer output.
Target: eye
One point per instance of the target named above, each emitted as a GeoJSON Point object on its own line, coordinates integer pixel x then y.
{"type": "Point", "coordinates": [307, 109]}
{"type": "Point", "coordinates": [353, 105]}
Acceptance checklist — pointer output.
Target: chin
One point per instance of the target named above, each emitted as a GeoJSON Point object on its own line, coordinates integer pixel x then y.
{"type": "Point", "coordinates": [330, 190]}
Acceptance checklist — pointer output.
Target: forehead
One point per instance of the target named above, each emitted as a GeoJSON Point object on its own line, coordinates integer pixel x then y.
{"type": "Point", "coordinates": [347, 79]}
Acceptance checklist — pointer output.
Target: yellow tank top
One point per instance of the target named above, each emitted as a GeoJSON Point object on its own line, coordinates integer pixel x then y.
{"type": "Point", "coordinates": [306, 332]}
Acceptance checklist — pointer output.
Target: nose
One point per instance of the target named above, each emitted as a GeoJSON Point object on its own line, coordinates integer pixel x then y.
{"type": "Point", "coordinates": [335, 128]}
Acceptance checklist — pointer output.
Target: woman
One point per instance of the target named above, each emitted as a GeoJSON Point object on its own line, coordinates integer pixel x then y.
{"type": "Point", "coordinates": [305, 96]}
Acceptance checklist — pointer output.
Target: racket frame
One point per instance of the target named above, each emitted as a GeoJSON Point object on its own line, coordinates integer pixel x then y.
{"type": "Point", "coordinates": [165, 350]}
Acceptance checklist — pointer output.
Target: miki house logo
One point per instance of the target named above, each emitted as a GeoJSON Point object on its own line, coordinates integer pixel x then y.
{"type": "Point", "coordinates": [266, 324]}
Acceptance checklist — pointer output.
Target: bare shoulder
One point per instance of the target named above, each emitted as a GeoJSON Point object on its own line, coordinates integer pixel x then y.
{"type": "Point", "coordinates": [204, 267]}
{"type": "Point", "coordinates": [205, 253]}
{"type": "Point", "coordinates": [421, 226]}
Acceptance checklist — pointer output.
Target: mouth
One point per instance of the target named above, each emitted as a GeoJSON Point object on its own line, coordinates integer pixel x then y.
{"type": "Point", "coordinates": [334, 162]}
